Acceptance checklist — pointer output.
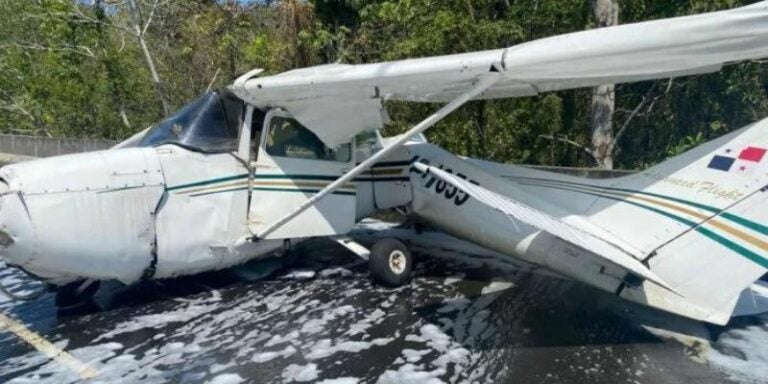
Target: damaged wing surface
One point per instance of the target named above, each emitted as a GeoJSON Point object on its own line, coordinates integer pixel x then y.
{"type": "Point", "coordinates": [338, 101]}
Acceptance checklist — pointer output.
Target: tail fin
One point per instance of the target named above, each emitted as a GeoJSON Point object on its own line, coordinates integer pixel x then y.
{"type": "Point", "coordinates": [701, 219]}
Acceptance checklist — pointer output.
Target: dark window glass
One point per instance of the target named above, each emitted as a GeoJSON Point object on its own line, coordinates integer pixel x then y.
{"type": "Point", "coordinates": [257, 124]}
{"type": "Point", "coordinates": [208, 124]}
{"type": "Point", "coordinates": [288, 138]}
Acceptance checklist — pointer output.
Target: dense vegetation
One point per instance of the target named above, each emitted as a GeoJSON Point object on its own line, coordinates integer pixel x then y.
{"type": "Point", "coordinates": [79, 68]}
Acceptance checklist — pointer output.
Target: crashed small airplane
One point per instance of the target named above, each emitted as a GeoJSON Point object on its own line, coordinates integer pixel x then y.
{"type": "Point", "coordinates": [243, 172]}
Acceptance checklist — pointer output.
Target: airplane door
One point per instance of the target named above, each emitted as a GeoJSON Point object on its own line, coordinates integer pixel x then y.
{"type": "Point", "coordinates": [292, 165]}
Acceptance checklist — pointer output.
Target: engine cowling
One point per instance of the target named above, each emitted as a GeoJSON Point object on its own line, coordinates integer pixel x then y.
{"type": "Point", "coordinates": [88, 215]}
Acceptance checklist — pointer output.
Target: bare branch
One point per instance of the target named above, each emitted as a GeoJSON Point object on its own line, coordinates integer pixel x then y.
{"type": "Point", "coordinates": [565, 140]}
{"type": "Point", "coordinates": [137, 20]}
{"type": "Point", "coordinates": [149, 19]}
{"type": "Point", "coordinates": [115, 2]}
{"type": "Point", "coordinates": [647, 100]}
{"type": "Point", "coordinates": [122, 43]}
{"type": "Point", "coordinates": [21, 131]}
{"type": "Point", "coordinates": [215, 75]}
{"type": "Point", "coordinates": [14, 107]}
{"type": "Point", "coordinates": [124, 118]}
{"type": "Point", "coordinates": [136, 9]}
{"type": "Point", "coordinates": [135, 13]}
{"type": "Point", "coordinates": [669, 85]}
{"type": "Point", "coordinates": [471, 10]}
{"type": "Point", "coordinates": [78, 49]}
{"type": "Point", "coordinates": [623, 129]}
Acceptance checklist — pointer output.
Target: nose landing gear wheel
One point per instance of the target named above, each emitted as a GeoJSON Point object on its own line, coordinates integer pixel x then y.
{"type": "Point", "coordinates": [391, 262]}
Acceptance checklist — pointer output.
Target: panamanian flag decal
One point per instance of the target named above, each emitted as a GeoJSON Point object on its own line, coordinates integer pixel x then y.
{"type": "Point", "coordinates": [743, 161]}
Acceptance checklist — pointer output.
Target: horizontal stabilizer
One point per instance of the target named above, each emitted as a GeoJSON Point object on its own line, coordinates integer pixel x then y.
{"type": "Point", "coordinates": [544, 222]}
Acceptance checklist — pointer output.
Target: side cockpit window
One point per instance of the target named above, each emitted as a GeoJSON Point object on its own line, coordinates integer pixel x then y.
{"type": "Point", "coordinates": [288, 138]}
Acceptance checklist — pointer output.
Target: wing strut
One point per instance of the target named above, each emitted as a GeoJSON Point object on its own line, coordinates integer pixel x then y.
{"type": "Point", "coordinates": [480, 86]}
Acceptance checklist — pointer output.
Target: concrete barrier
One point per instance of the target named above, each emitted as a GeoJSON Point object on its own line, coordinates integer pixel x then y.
{"type": "Point", "coordinates": [37, 146]}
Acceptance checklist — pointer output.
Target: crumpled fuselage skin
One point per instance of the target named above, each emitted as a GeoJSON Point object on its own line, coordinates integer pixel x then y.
{"type": "Point", "coordinates": [84, 215]}
{"type": "Point", "coordinates": [109, 215]}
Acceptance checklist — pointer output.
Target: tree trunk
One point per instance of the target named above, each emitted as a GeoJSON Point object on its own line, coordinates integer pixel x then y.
{"type": "Point", "coordinates": [155, 77]}
{"type": "Point", "coordinates": [124, 118]}
{"type": "Point", "coordinates": [137, 23]}
{"type": "Point", "coordinates": [604, 97]}
{"type": "Point", "coordinates": [111, 65]}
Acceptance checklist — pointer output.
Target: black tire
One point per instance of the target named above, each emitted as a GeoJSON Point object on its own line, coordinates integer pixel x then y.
{"type": "Point", "coordinates": [385, 270]}
{"type": "Point", "coordinates": [290, 255]}
{"type": "Point", "coordinates": [74, 294]}
{"type": "Point", "coordinates": [290, 259]}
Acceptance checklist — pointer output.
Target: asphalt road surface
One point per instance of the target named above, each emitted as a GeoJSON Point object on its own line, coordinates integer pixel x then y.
{"type": "Point", "coordinates": [467, 317]}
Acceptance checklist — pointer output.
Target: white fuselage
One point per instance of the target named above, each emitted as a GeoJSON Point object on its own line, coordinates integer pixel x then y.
{"type": "Point", "coordinates": [134, 213]}
{"type": "Point", "coordinates": [453, 211]}
{"type": "Point", "coordinates": [141, 213]}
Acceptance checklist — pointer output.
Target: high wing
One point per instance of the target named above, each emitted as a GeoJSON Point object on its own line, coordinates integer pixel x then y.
{"type": "Point", "coordinates": [338, 101]}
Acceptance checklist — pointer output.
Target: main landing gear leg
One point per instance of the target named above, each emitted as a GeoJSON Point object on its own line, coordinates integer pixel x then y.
{"type": "Point", "coordinates": [389, 260]}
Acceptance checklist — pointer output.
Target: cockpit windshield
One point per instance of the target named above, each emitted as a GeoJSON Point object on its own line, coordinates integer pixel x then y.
{"type": "Point", "coordinates": [208, 124]}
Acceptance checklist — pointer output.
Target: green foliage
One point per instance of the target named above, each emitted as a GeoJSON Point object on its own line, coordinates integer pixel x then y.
{"type": "Point", "coordinates": [69, 68]}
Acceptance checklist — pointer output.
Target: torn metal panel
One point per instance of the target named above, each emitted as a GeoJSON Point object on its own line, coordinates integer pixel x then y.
{"type": "Point", "coordinates": [203, 214]}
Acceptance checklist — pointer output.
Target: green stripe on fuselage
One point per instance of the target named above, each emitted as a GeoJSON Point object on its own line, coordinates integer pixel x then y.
{"type": "Point", "coordinates": [757, 227]}
{"type": "Point", "coordinates": [744, 252]}
{"type": "Point", "coordinates": [762, 229]}
{"type": "Point", "coordinates": [304, 190]}
{"type": "Point", "coordinates": [208, 182]}
{"type": "Point", "coordinates": [203, 183]}
{"type": "Point", "coordinates": [255, 177]}
{"type": "Point", "coordinates": [343, 193]}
